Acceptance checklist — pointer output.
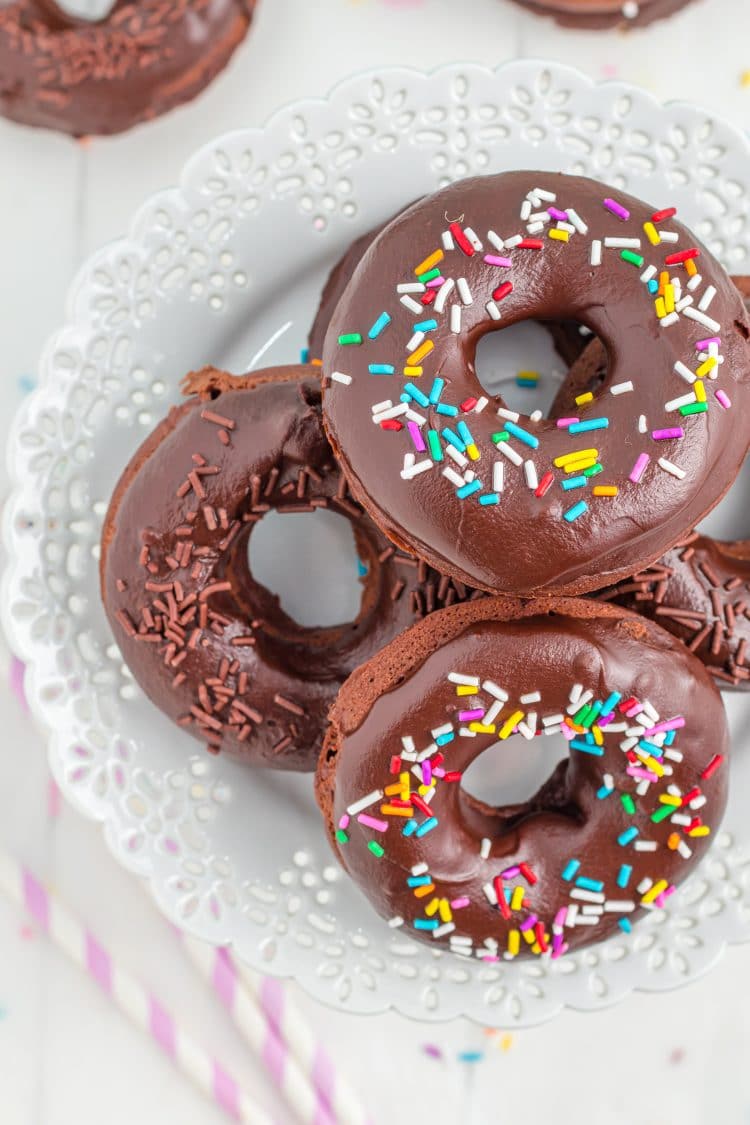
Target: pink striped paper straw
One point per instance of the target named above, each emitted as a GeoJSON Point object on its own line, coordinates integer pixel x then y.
{"type": "Point", "coordinates": [132, 998]}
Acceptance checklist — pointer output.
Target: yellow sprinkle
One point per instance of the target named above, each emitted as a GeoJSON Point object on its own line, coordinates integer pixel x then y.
{"type": "Point", "coordinates": [529, 937]}
{"type": "Point", "coordinates": [674, 841]}
{"type": "Point", "coordinates": [429, 263]}
{"type": "Point", "coordinates": [514, 942]}
{"type": "Point", "coordinates": [579, 455]}
{"type": "Point", "coordinates": [668, 799]}
{"type": "Point", "coordinates": [605, 490]}
{"type": "Point", "coordinates": [396, 810]}
{"type": "Point", "coordinates": [652, 763]}
{"type": "Point", "coordinates": [701, 830]}
{"type": "Point", "coordinates": [560, 235]}
{"type": "Point", "coordinates": [506, 1042]}
{"type": "Point", "coordinates": [427, 889]}
{"type": "Point", "coordinates": [598, 736]}
{"type": "Point", "coordinates": [446, 913]}
{"type": "Point", "coordinates": [509, 724]}
{"type": "Point", "coordinates": [423, 350]}
{"type": "Point", "coordinates": [473, 452]}
{"type": "Point", "coordinates": [528, 376]}
{"type": "Point", "coordinates": [536, 948]}
{"type": "Point", "coordinates": [412, 372]}
{"type": "Point", "coordinates": [483, 728]}
{"type": "Point", "coordinates": [577, 466]}
{"type": "Point", "coordinates": [423, 789]}
{"type": "Point", "coordinates": [669, 297]}
{"type": "Point", "coordinates": [699, 387]}
{"type": "Point", "coordinates": [432, 907]}
{"type": "Point", "coordinates": [706, 366]}
{"type": "Point", "coordinates": [745, 78]}
{"type": "Point", "coordinates": [516, 900]}
{"type": "Point", "coordinates": [582, 399]}
{"type": "Point", "coordinates": [661, 308]}
{"type": "Point", "coordinates": [405, 779]}
{"type": "Point", "coordinates": [465, 689]}
{"type": "Point", "coordinates": [652, 234]}
{"type": "Point", "coordinates": [654, 892]}
{"type": "Point", "coordinates": [691, 267]}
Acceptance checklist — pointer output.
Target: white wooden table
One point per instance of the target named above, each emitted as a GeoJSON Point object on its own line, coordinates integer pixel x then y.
{"type": "Point", "coordinates": [65, 1057]}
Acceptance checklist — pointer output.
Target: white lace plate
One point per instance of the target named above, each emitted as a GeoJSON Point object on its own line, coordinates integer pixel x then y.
{"type": "Point", "coordinates": [212, 271]}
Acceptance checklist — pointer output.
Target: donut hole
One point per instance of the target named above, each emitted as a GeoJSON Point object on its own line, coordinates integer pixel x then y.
{"type": "Point", "coordinates": [541, 366]}
{"type": "Point", "coordinates": [92, 10]}
{"type": "Point", "coordinates": [516, 776]}
{"type": "Point", "coordinates": [308, 561]}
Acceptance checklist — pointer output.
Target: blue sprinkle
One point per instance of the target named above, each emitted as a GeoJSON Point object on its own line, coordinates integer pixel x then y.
{"type": "Point", "coordinates": [576, 511]}
{"type": "Point", "coordinates": [425, 326]}
{"type": "Point", "coordinates": [588, 748]}
{"type": "Point", "coordinates": [574, 482]}
{"type": "Point", "coordinates": [456, 442]}
{"type": "Point", "coordinates": [416, 394]}
{"type": "Point", "coordinates": [426, 923]}
{"type": "Point", "coordinates": [428, 826]}
{"type": "Point", "coordinates": [409, 828]}
{"type": "Point", "coordinates": [470, 1056]}
{"type": "Point", "coordinates": [382, 322]}
{"type": "Point", "coordinates": [623, 875]}
{"type": "Point", "coordinates": [489, 498]}
{"type": "Point", "coordinates": [625, 924]}
{"type": "Point", "coordinates": [304, 355]}
{"type": "Point", "coordinates": [437, 390]}
{"type": "Point", "coordinates": [443, 408]}
{"type": "Point", "coordinates": [653, 285]}
{"type": "Point", "coordinates": [671, 736]}
{"type": "Point", "coordinates": [651, 748]}
{"type": "Point", "coordinates": [468, 489]}
{"type": "Point", "coordinates": [589, 424]}
{"type": "Point", "coordinates": [418, 880]}
{"type": "Point", "coordinates": [442, 739]}
{"type": "Point", "coordinates": [589, 884]}
{"type": "Point", "coordinates": [604, 792]}
{"type": "Point", "coordinates": [382, 369]}
{"type": "Point", "coordinates": [465, 432]}
{"type": "Point", "coordinates": [627, 836]}
{"type": "Point", "coordinates": [609, 704]}
{"type": "Point", "coordinates": [570, 869]}
{"type": "Point", "coordinates": [522, 435]}
{"type": "Point", "coordinates": [362, 568]}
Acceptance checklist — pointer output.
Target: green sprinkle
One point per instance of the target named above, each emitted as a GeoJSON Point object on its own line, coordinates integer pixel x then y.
{"type": "Point", "coordinates": [694, 408]}
{"type": "Point", "coordinates": [593, 470]}
{"type": "Point", "coordinates": [628, 803]}
{"type": "Point", "coordinates": [502, 436]}
{"type": "Point", "coordinates": [350, 338]}
{"type": "Point", "coordinates": [663, 812]}
{"type": "Point", "coordinates": [376, 848]}
{"type": "Point", "coordinates": [433, 442]}
{"type": "Point", "coordinates": [634, 259]}
{"type": "Point", "coordinates": [580, 717]}
{"type": "Point", "coordinates": [341, 836]}
{"type": "Point", "coordinates": [429, 276]}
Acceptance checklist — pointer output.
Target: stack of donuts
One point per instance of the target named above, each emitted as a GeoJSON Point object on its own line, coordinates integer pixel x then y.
{"type": "Point", "coordinates": [524, 575]}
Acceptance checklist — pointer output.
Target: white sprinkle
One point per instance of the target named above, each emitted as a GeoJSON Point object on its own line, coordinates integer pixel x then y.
{"type": "Point", "coordinates": [495, 691]}
{"type": "Point", "coordinates": [496, 240]}
{"type": "Point", "coordinates": [408, 743]}
{"type": "Point", "coordinates": [492, 712]}
{"type": "Point", "coordinates": [513, 241]}
{"type": "Point", "coordinates": [529, 471]}
{"type": "Point", "coordinates": [542, 217]}
{"type": "Point", "coordinates": [451, 475]}
{"type": "Point", "coordinates": [481, 403]}
{"type": "Point", "coordinates": [392, 412]}
{"type": "Point", "coordinates": [464, 732]}
{"type": "Point", "coordinates": [484, 847]}
{"type": "Point", "coordinates": [446, 728]}
{"type": "Point", "coordinates": [695, 282]}
{"type": "Point", "coordinates": [642, 787]}
{"type": "Point", "coordinates": [365, 802]}
{"type": "Point", "coordinates": [565, 226]}
{"type": "Point", "coordinates": [698, 802]}
{"type": "Point", "coordinates": [446, 928]}
{"type": "Point", "coordinates": [575, 693]}
{"type": "Point", "coordinates": [395, 922]}
{"type": "Point", "coordinates": [648, 273]}
{"type": "Point", "coordinates": [535, 228]}
{"type": "Point", "coordinates": [684, 849]}
{"type": "Point", "coordinates": [704, 319]}
{"type": "Point", "coordinates": [684, 371]}
{"type": "Point", "coordinates": [683, 303]}
{"type": "Point", "coordinates": [472, 237]}
{"type": "Point", "coordinates": [489, 893]}
{"type": "Point", "coordinates": [621, 388]}
{"type": "Point", "coordinates": [673, 755]}
{"type": "Point", "coordinates": [668, 235]}
{"type": "Point", "coordinates": [536, 416]}
{"type": "Point", "coordinates": [553, 730]}
{"type": "Point", "coordinates": [577, 221]}
{"type": "Point", "coordinates": [412, 305]}
{"type": "Point", "coordinates": [340, 377]}
{"type": "Point", "coordinates": [593, 909]}
{"type": "Point", "coordinates": [413, 416]}
{"type": "Point", "coordinates": [683, 400]}
{"type": "Point", "coordinates": [586, 896]}
{"type": "Point", "coordinates": [623, 243]}
{"type": "Point", "coordinates": [542, 193]}
{"type": "Point", "coordinates": [586, 920]}
{"type": "Point", "coordinates": [415, 341]}
{"type": "Point", "coordinates": [552, 720]}
{"type": "Point", "coordinates": [461, 939]}
{"type": "Point", "coordinates": [596, 252]}
{"type": "Point", "coordinates": [645, 845]}
{"type": "Point", "coordinates": [465, 681]}
{"type": "Point", "coordinates": [419, 869]}
{"type": "Point", "coordinates": [609, 781]}
{"type": "Point", "coordinates": [469, 476]}
{"type": "Point", "coordinates": [463, 290]}
{"type": "Point", "coordinates": [509, 452]}
{"type": "Point", "coordinates": [493, 310]}
{"type": "Point", "coordinates": [411, 287]}
{"type": "Point", "coordinates": [525, 210]}
{"type": "Point", "coordinates": [382, 405]}
{"type": "Point", "coordinates": [442, 295]}
{"type": "Point", "coordinates": [669, 319]}
{"type": "Point", "coordinates": [531, 697]}
{"type": "Point", "coordinates": [673, 470]}
{"type": "Point", "coordinates": [642, 424]}
{"type": "Point", "coordinates": [457, 456]}
{"type": "Point", "coordinates": [619, 905]}
{"type": "Point", "coordinates": [526, 731]}
{"type": "Point", "coordinates": [498, 474]}
{"type": "Point", "coordinates": [447, 238]}
{"type": "Point", "coordinates": [455, 318]}
{"type": "Point", "coordinates": [707, 298]}
{"type": "Point", "coordinates": [644, 885]}
{"type": "Point", "coordinates": [681, 819]}
{"type": "Point", "coordinates": [509, 414]}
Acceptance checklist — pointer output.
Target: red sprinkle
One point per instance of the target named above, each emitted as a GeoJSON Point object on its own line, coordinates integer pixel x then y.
{"type": "Point", "coordinates": [688, 797]}
{"type": "Point", "coordinates": [418, 803]}
{"type": "Point", "coordinates": [539, 931]}
{"type": "Point", "coordinates": [437, 759]}
{"type": "Point", "coordinates": [461, 240]}
{"type": "Point", "coordinates": [502, 291]}
{"type": "Point", "coordinates": [681, 256]}
{"type": "Point", "coordinates": [627, 704]}
{"type": "Point", "coordinates": [528, 874]}
{"type": "Point", "coordinates": [545, 484]}
{"type": "Point", "coordinates": [469, 404]}
{"type": "Point", "coordinates": [500, 892]}
{"type": "Point", "coordinates": [452, 775]}
{"type": "Point", "coordinates": [660, 216]}
{"type": "Point", "coordinates": [428, 297]}
{"type": "Point", "coordinates": [391, 424]}
{"type": "Point", "coordinates": [395, 764]}
{"type": "Point", "coordinates": [530, 244]}
{"type": "Point", "coordinates": [712, 766]}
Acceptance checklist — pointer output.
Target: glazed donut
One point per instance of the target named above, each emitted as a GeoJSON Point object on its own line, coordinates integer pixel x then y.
{"type": "Point", "coordinates": [207, 643]}
{"type": "Point", "coordinates": [142, 59]}
{"type": "Point", "coordinates": [604, 13]}
{"type": "Point", "coordinates": [612, 832]}
{"type": "Point", "coordinates": [534, 505]}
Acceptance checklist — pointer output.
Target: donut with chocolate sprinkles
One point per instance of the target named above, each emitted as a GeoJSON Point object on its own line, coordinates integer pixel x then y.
{"type": "Point", "coordinates": [210, 645]}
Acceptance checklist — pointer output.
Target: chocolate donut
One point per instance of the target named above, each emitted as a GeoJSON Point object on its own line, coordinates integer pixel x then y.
{"type": "Point", "coordinates": [535, 505]}
{"type": "Point", "coordinates": [143, 58]}
{"type": "Point", "coordinates": [597, 14]}
{"type": "Point", "coordinates": [207, 643]}
{"type": "Point", "coordinates": [611, 833]}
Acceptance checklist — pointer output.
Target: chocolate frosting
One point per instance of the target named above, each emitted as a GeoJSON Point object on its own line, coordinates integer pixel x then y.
{"type": "Point", "coordinates": [536, 540]}
{"type": "Point", "coordinates": [89, 77]}
{"type": "Point", "coordinates": [598, 14]}
{"type": "Point", "coordinates": [207, 643]}
{"type": "Point", "coordinates": [584, 838]}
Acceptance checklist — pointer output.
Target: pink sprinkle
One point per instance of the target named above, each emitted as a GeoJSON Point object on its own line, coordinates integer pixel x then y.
{"type": "Point", "coordinates": [436, 283]}
{"type": "Point", "coordinates": [416, 436]}
{"type": "Point", "coordinates": [668, 724]}
{"type": "Point", "coordinates": [617, 209]}
{"type": "Point", "coordinates": [723, 399]}
{"type": "Point", "coordinates": [634, 710]}
{"type": "Point", "coordinates": [666, 435]}
{"type": "Point", "coordinates": [459, 903]}
{"type": "Point", "coordinates": [639, 467]}
{"type": "Point", "coordinates": [567, 732]}
{"type": "Point", "coordinates": [510, 872]}
{"type": "Point", "coordinates": [372, 822]}
{"type": "Point", "coordinates": [556, 213]}
{"type": "Point", "coordinates": [439, 772]}
{"type": "Point", "coordinates": [563, 423]}
{"type": "Point", "coordinates": [467, 716]}
{"type": "Point", "coordinates": [493, 260]}
{"type": "Point", "coordinates": [639, 772]}
{"type": "Point", "coordinates": [704, 345]}
{"type": "Point", "coordinates": [559, 952]}
{"type": "Point", "coordinates": [344, 821]}
{"type": "Point", "coordinates": [560, 916]}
